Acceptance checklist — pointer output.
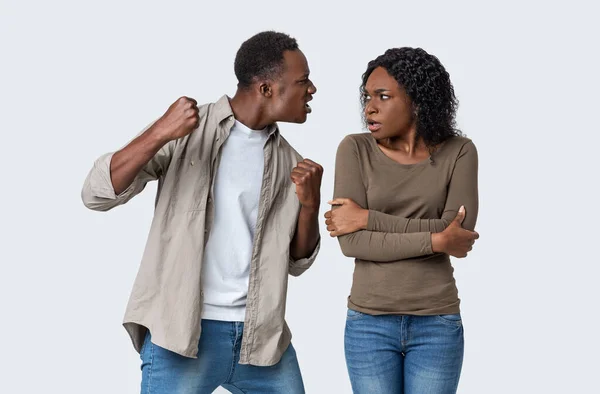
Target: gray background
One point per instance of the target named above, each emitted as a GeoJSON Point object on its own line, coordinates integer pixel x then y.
{"type": "Point", "coordinates": [78, 80]}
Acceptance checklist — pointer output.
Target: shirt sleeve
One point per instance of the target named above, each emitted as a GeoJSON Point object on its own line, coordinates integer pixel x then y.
{"type": "Point", "coordinates": [98, 192]}
{"type": "Point", "coordinates": [297, 267]}
{"type": "Point", "coordinates": [463, 187]}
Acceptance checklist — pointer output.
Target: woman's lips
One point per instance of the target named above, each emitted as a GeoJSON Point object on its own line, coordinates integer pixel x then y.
{"type": "Point", "coordinates": [374, 126]}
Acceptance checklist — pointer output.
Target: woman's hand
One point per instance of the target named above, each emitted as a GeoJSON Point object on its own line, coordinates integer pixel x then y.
{"type": "Point", "coordinates": [345, 217]}
{"type": "Point", "coordinates": [454, 240]}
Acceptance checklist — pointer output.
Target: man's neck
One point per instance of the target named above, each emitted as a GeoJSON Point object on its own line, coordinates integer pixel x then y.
{"type": "Point", "coordinates": [248, 111]}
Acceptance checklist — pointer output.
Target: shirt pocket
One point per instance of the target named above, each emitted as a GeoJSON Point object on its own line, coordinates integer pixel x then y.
{"type": "Point", "coordinates": [188, 185]}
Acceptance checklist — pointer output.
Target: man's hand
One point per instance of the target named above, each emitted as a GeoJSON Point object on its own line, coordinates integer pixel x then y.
{"type": "Point", "coordinates": [307, 177]}
{"type": "Point", "coordinates": [180, 120]}
{"type": "Point", "coordinates": [454, 240]}
{"type": "Point", "coordinates": [346, 218]}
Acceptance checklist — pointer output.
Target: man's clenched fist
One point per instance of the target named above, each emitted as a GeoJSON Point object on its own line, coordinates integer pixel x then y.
{"type": "Point", "coordinates": [307, 177]}
{"type": "Point", "coordinates": [180, 119]}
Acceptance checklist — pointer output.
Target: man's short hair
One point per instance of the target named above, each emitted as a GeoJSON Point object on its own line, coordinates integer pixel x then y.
{"type": "Point", "coordinates": [261, 57]}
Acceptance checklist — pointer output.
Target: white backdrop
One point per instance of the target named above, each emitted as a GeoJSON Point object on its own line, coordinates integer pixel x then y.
{"type": "Point", "coordinates": [78, 80]}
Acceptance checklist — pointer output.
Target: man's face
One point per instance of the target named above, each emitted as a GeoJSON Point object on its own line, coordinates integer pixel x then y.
{"type": "Point", "coordinates": [293, 90]}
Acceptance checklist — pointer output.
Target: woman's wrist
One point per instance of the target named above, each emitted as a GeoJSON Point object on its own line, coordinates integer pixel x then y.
{"type": "Point", "coordinates": [364, 219]}
{"type": "Point", "coordinates": [438, 242]}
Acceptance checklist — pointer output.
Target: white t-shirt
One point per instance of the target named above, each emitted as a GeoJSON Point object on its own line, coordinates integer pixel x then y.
{"type": "Point", "coordinates": [226, 265]}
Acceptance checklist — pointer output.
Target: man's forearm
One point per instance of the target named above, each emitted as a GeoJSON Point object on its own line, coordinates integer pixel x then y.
{"type": "Point", "coordinates": [128, 162]}
{"type": "Point", "coordinates": [307, 233]}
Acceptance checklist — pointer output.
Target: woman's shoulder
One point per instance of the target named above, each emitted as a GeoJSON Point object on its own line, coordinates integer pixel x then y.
{"type": "Point", "coordinates": [455, 148]}
{"type": "Point", "coordinates": [356, 145]}
{"type": "Point", "coordinates": [454, 145]}
{"type": "Point", "coordinates": [356, 141]}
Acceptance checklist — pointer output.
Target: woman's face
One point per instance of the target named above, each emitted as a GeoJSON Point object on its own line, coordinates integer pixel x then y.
{"type": "Point", "coordinates": [388, 109]}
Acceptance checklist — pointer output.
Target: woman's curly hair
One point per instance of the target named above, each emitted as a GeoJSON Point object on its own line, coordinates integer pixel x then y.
{"type": "Point", "coordinates": [427, 84]}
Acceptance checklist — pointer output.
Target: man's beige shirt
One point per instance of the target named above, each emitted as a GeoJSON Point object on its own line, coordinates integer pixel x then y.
{"type": "Point", "coordinates": [167, 296]}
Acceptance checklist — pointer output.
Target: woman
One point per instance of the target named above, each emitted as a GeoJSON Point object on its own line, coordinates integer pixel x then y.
{"type": "Point", "coordinates": [405, 198]}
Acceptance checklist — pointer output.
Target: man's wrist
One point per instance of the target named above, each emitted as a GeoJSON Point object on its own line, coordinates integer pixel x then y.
{"type": "Point", "coordinates": [159, 134]}
{"type": "Point", "coordinates": [311, 209]}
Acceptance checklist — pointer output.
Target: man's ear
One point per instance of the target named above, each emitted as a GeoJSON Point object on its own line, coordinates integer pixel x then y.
{"type": "Point", "coordinates": [265, 89]}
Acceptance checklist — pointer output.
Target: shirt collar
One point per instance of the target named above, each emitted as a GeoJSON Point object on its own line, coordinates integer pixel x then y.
{"type": "Point", "coordinates": [223, 112]}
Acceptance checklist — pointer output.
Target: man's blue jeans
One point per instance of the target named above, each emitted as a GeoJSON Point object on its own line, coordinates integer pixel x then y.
{"type": "Point", "coordinates": [217, 365]}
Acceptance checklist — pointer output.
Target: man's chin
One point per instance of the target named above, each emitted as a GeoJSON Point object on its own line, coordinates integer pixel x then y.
{"type": "Point", "coordinates": [297, 120]}
{"type": "Point", "coordinates": [302, 118]}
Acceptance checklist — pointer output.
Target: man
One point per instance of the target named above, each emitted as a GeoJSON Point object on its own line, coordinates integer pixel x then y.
{"type": "Point", "coordinates": [236, 212]}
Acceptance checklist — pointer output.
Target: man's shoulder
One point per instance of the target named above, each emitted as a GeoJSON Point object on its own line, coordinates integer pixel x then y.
{"type": "Point", "coordinates": [219, 109]}
{"type": "Point", "coordinates": [287, 148]}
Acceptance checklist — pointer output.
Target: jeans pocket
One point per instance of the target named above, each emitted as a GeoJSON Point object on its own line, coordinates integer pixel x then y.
{"type": "Point", "coordinates": [353, 315]}
{"type": "Point", "coordinates": [453, 319]}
